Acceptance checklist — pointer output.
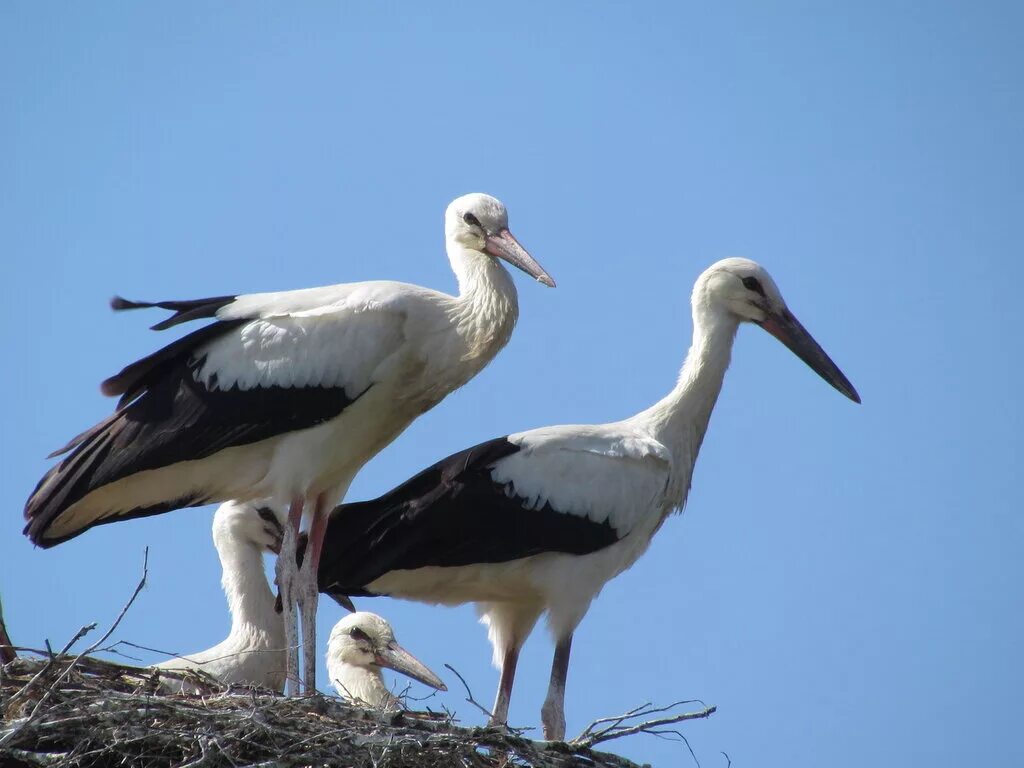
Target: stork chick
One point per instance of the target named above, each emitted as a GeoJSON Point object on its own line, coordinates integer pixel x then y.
{"type": "Point", "coordinates": [361, 645]}
{"type": "Point", "coordinates": [254, 652]}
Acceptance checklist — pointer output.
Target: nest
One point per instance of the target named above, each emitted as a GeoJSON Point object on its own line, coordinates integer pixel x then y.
{"type": "Point", "coordinates": [82, 711]}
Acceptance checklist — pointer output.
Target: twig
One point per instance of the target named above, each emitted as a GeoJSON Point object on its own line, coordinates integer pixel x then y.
{"type": "Point", "coordinates": [589, 737]}
{"type": "Point", "coordinates": [642, 711]}
{"type": "Point", "coordinates": [67, 670]}
{"type": "Point", "coordinates": [469, 694]}
{"type": "Point", "coordinates": [82, 632]}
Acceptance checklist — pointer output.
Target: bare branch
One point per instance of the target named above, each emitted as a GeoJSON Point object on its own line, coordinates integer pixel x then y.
{"type": "Point", "coordinates": [617, 730]}
{"type": "Point", "coordinates": [469, 694]}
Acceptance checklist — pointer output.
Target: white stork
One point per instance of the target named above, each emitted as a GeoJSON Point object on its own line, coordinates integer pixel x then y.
{"type": "Point", "coordinates": [539, 521]}
{"type": "Point", "coordinates": [361, 645]}
{"type": "Point", "coordinates": [254, 652]}
{"type": "Point", "coordinates": [286, 395]}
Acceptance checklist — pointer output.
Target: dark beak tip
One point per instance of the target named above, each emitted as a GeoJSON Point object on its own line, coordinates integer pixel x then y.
{"type": "Point", "coordinates": [547, 280]}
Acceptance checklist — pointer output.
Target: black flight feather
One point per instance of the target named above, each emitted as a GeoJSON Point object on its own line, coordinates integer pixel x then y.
{"type": "Point", "coordinates": [131, 380]}
{"type": "Point", "coordinates": [184, 311]}
{"type": "Point", "coordinates": [167, 416]}
{"type": "Point", "coordinates": [450, 514]}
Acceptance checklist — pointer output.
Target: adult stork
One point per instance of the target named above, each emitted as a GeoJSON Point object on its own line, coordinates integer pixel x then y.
{"type": "Point", "coordinates": [254, 652]}
{"type": "Point", "coordinates": [286, 395]}
{"type": "Point", "coordinates": [539, 521]}
{"type": "Point", "coordinates": [361, 645]}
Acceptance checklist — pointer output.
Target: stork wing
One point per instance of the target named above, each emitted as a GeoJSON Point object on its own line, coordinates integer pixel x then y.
{"type": "Point", "coordinates": [502, 500]}
{"type": "Point", "coordinates": [234, 382]}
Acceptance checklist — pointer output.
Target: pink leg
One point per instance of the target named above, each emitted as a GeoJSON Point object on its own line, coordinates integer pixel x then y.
{"type": "Point", "coordinates": [317, 530]}
{"type": "Point", "coordinates": [309, 592]}
{"type": "Point", "coordinates": [287, 577]}
{"type": "Point", "coordinates": [508, 675]}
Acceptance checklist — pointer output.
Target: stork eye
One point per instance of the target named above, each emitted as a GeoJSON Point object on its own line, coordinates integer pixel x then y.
{"type": "Point", "coordinates": [753, 284]}
{"type": "Point", "coordinates": [472, 220]}
{"type": "Point", "coordinates": [358, 634]}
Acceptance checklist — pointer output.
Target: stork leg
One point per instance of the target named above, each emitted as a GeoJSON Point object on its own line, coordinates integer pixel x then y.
{"type": "Point", "coordinates": [552, 714]}
{"type": "Point", "coordinates": [287, 573]}
{"type": "Point", "coordinates": [499, 715]}
{"type": "Point", "coordinates": [309, 592]}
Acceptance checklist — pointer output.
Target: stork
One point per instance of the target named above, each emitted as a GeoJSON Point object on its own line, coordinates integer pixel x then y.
{"type": "Point", "coordinates": [286, 395]}
{"type": "Point", "coordinates": [539, 521]}
{"type": "Point", "coordinates": [361, 645]}
{"type": "Point", "coordinates": [254, 652]}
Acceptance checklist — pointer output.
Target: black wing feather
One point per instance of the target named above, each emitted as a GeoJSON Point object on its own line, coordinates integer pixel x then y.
{"type": "Point", "coordinates": [450, 514]}
{"type": "Point", "coordinates": [133, 379]}
{"type": "Point", "coordinates": [166, 416]}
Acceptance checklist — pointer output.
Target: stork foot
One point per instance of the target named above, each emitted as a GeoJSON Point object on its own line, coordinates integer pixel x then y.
{"type": "Point", "coordinates": [552, 718]}
{"type": "Point", "coordinates": [552, 714]}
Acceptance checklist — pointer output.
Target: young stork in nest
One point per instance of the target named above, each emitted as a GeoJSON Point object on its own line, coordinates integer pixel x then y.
{"type": "Point", "coordinates": [254, 651]}
{"type": "Point", "coordinates": [539, 521]}
{"type": "Point", "coordinates": [361, 645]}
{"type": "Point", "coordinates": [287, 395]}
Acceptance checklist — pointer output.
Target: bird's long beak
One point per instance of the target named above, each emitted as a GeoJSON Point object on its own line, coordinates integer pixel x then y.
{"type": "Point", "coordinates": [504, 246]}
{"type": "Point", "coordinates": [397, 658]}
{"type": "Point", "coordinates": [787, 329]}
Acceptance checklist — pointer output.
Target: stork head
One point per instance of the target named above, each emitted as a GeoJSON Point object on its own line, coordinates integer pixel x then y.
{"type": "Point", "coordinates": [479, 222]}
{"type": "Point", "coordinates": [743, 289]}
{"type": "Point", "coordinates": [256, 524]}
{"type": "Point", "coordinates": [364, 639]}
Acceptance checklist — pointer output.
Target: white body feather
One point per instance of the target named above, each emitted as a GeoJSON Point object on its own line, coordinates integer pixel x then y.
{"type": "Point", "coordinates": [407, 347]}
{"type": "Point", "coordinates": [253, 653]}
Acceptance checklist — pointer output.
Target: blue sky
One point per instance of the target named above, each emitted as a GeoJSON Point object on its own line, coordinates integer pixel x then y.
{"type": "Point", "coordinates": [846, 583]}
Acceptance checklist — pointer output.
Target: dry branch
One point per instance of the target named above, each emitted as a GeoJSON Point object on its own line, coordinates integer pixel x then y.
{"type": "Point", "coordinates": [618, 727]}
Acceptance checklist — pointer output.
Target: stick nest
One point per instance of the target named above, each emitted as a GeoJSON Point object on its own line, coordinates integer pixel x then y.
{"type": "Point", "coordinates": [82, 711]}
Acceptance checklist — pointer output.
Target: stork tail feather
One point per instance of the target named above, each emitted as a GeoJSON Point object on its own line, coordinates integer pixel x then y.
{"type": "Point", "coordinates": [184, 311]}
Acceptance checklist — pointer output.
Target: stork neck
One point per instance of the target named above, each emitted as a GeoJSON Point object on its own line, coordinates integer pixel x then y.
{"type": "Point", "coordinates": [250, 599]}
{"type": "Point", "coordinates": [680, 419]}
{"type": "Point", "coordinates": [488, 305]}
{"type": "Point", "coordinates": [363, 684]}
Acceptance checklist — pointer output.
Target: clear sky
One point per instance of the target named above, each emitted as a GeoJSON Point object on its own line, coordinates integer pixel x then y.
{"type": "Point", "coordinates": [847, 583]}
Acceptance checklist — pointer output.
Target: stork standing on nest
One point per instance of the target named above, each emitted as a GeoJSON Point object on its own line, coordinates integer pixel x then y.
{"type": "Point", "coordinates": [539, 521]}
{"type": "Point", "coordinates": [361, 645]}
{"type": "Point", "coordinates": [254, 651]}
{"type": "Point", "coordinates": [286, 395]}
